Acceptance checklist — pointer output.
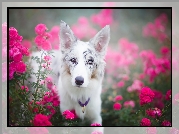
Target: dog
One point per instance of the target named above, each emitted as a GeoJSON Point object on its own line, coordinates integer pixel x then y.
{"type": "Point", "coordinates": [80, 70]}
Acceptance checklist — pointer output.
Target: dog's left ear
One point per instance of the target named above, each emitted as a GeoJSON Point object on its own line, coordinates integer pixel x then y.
{"type": "Point", "coordinates": [100, 41]}
{"type": "Point", "coordinates": [67, 37]}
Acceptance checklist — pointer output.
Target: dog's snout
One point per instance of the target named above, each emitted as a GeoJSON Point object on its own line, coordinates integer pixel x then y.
{"type": "Point", "coordinates": [79, 80]}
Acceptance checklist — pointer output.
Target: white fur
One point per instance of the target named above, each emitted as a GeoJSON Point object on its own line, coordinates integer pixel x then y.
{"type": "Point", "coordinates": [68, 90]}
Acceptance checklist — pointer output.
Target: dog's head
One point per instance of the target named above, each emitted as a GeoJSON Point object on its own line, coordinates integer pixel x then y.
{"type": "Point", "coordinates": [83, 61]}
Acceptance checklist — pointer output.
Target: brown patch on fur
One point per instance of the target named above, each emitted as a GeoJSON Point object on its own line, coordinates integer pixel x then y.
{"type": "Point", "coordinates": [94, 75]}
{"type": "Point", "coordinates": [68, 71]}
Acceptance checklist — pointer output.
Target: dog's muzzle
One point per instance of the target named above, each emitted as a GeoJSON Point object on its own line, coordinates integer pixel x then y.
{"type": "Point", "coordinates": [79, 80]}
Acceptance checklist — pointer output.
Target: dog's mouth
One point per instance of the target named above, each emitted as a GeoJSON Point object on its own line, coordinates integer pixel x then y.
{"type": "Point", "coordinates": [80, 86]}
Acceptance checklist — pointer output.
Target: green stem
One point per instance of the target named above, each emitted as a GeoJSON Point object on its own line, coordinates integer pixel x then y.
{"type": "Point", "coordinates": [38, 78]}
{"type": "Point", "coordinates": [23, 80]}
{"type": "Point", "coordinates": [18, 94]}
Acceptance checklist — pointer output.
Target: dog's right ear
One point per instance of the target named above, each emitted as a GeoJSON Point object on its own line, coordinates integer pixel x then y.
{"type": "Point", "coordinates": [67, 37]}
{"type": "Point", "coordinates": [100, 41]}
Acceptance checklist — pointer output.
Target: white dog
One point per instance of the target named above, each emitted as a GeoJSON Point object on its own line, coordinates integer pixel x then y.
{"type": "Point", "coordinates": [80, 68]}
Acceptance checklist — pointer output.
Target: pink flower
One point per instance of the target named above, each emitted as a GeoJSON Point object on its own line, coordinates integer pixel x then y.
{"type": "Point", "coordinates": [164, 50]}
{"type": "Point", "coordinates": [25, 87]}
{"type": "Point", "coordinates": [35, 110]}
{"type": "Point", "coordinates": [68, 115]}
{"type": "Point", "coordinates": [158, 99]}
{"type": "Point", "coordinates": [17, 56]}
{"type": "Point", "coordinates": [83, 21]}
{"type": "Point", "coordinates": [25, 51]}
{"type": "Point", "coordinates": [47, 98]}
{"type": "Point", "coordinates": [42, 39]}
{"type": "Point", "coordinates": [141, 76]}
{"type": "Point", "coordinates": [55, 40]}
{"type": "Point", "coordinates": [99, 18]}
{"type": "Point", "coordinates": [162, 37]}
{"type": "Point", "coordinates": [158, 95]}
{"type": "Point", "coordinates": [48, 79]}
{"type": "Point", "coordinates": [156, 29]}
{"type": "Point", "coordinates": [83, 29]}
{"type": "Point", "coordinates": [153, 66]}
{"type": "Point", "coordinates": [75, 116]}
{"type": "Point", "coordinates": [47, 35]}
{"type": "Point", "coordinates": [52, 111]}
{"type": "Point", "coordinates": [168, 95]}
{"type": "Point", "coordinates": [151, 72]}
{"type": "Point", "coordinates": [49, 107]}
{"type": "Point", "coordinates": [47, 58]}
{"type": "Point", "coordinates": [125, 77]}
{"type": "Point", "coordinates": [13, 33]}
{"type": "Point", "coordinates": [49, 85]}
{"type": "Point", "coordinates": [20, 67]}
{"type": "Point", "coordinates": [39, 40]}
{"type": "Point", "coordinates": [118, 98]}
{"type": "Point", "coordinates": [120, 84]}
{"type": "Point", "coordinates": [38, 130]}
{"type": "Point", "coordinates": [12, 70]}
{"type": "Point", "coordinates": [41, 120]}
{"type": "Point", "coordinates": [56, 102]}
{"type": "Point", "coordinates": [151, 130]}
{"type": "Point", "coordinates": [40, 29]}
{"type": "Point", "coordinates": [146, 95]}
{"type": "Point", "coordinates": [166, 123]}
{"type": "Point", "coordinates": [154, 112]}
{"type": "Point", "coordinates": [96, 132]}
{"type": "Point", "coordinates": [145, 122]}
{"type": "Point", "coordinates": [46, 45]}
{"type": "Point", "coordinates": [136, 86]}
{"type": "Point", "coordinates": [117, 106]}
{"type": "Point", "coordinates": [145, 100]}
{"type": "Point", "coordinates": [51, 97]}
{"type": "Point", "coordinates": [129, 48]}
{"type": "Point", "coordinates": [44, 66]}
{"type": "Point", "coordinates": [95, 124]}
{"type": "Point", "coordinates": [42, 82]}
{"type": "Point", "coordinates": [26, 44]}
{"type": "Point", "coordinates": [130, 103]}
{"type": "Point", "coordinates": [15, 50]}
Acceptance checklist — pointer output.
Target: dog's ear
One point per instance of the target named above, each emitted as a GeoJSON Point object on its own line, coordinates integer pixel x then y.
{"type": "Point", "coordinates": [100, 40]}
{"type": "Point", "coordinates": [67, 37]}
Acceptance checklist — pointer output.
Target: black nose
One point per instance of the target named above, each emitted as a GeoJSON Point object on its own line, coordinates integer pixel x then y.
{"type": "Point", "coordinates": [79, 80]}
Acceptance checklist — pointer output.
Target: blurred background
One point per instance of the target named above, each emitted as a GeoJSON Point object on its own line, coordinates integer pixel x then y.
{"type": "Point", "coordinates": [126, 22]}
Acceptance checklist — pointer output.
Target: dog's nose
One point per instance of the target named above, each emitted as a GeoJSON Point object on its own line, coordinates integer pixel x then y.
{"type": "Point", "coordinates": [79, 80]}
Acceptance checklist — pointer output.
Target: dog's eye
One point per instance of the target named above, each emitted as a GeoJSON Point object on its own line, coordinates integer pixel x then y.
{"type": "Point", "coordinates": [90, 61]}
{"type": "Point", "coordinates": [73, 60]}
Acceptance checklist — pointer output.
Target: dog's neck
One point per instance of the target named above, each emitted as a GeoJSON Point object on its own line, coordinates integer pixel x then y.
{"type": "Point", "coordinates": [83, 104]}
